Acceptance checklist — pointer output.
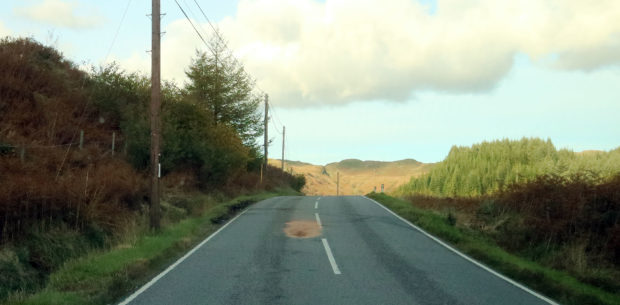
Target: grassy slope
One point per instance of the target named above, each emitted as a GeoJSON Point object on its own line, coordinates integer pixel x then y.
{"type": "Point", "coordinates": [105, 277]}
{"type": "Point", "coordinates": [356, 177]}
{"type": "Point", "coordinates": [555, 284]}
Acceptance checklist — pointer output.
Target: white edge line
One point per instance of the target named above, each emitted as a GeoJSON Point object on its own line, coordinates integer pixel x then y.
{"type": "Point", "coordinates": [330, 257]}
{"type": "Point", "coordinates": [180, 260]}
{"type": "Point", "coordinates": [318, 220]}
{"type": "Point", "coordinates": [318, 199]}
{"type": "Point", "coordinates": [503, 277]}
{"type": "Point", "coordinates": [316, 205]}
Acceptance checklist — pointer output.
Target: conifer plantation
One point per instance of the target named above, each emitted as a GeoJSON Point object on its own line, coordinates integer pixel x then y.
{"type": "Point", "coordinates": [556, 208]}
{"type": "Point", "coordinates": [489, 167]}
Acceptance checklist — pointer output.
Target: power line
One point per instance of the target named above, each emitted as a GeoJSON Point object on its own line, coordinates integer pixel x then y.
{"type": "Point", "coordinates": [275, 125]}
{"type": "Point", "coordinates": [275, 114]}
{"type": "Point", "coordinates": [193, 26]}
{"type": "Point", "coordinates": [216, 32]}
{"type": "Point", "coordinates": [273, 120]}
{"type": "Point", "coordinates": [118, 29]}
{"type": "Point", "coordinates": [189, 8]}
{"type": "Point", "coordinates": [232, 55]}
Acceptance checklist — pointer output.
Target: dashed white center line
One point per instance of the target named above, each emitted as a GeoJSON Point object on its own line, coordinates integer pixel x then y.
{"type": "Point", "coordinates": [328, 250]}
{"type": "Point", "coordinates": [330, 257]}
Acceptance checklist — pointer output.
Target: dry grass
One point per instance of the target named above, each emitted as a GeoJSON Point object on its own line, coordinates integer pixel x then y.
{"type": "Point", "coordinates": [570, 224]}
{"type": "Point", "coordinates": [356, 177]}
{"type": "Point", "coordinates": [42, 110]}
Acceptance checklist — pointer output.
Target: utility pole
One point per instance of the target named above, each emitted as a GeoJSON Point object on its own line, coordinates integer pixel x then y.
{"type": "Point", "coordinates": [266, 133]}
{"type": "Point", "coordinates": [155, 109]}
{"type": "Point", "coordinates": [283, 138]}
{"type": "Point", "coordinates": [338, 184]}
{"type": "Point", "coordinates": [216, 108]}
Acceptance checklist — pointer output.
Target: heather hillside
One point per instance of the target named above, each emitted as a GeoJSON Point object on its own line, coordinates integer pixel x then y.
{"type": "Point", "coordinates": [74, 155]}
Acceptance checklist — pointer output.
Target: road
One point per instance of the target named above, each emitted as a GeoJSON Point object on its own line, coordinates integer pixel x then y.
{"type": "Point", "coordinates": [364, 255]}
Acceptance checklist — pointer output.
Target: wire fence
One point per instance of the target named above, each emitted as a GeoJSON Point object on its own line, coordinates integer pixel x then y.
{"type": "Point", "coordinates": [53, 183]}
{"type": "Point", "coordinates": [110, 146]}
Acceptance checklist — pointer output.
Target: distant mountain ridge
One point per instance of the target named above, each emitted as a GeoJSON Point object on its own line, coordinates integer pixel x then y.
{"type": "Point", "coordinates": [357, 177]}
{"type": "Point", "coordinates": [399, 167]}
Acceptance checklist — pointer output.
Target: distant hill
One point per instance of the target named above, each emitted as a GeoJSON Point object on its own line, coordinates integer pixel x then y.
{"type": "Point", "coordinates": [357, 177]}
{"type": "Point", "coordinates": [488, 167]}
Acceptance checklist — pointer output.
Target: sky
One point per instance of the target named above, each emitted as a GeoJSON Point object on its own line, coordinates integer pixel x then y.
{"type": "Point", "coordinates": [376, 79]}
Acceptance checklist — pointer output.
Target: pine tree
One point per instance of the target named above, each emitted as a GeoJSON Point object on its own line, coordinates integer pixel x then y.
{"type": "Point", "coordinates": [219, 84]}
{"type": "Point", "coordinates": [489, 166]}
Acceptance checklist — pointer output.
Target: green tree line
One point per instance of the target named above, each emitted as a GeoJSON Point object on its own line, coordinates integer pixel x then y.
{"type": "Point", "coordinates": [59, 124]}
{"type": "Point", "coordinates": [64, 189]}
{"type": "Point", "coordinates": [209, 125]}
{"type": "Point", "coordinates": [488, 167]}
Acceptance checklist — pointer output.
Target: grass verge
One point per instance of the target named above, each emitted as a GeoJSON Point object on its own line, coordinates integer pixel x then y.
{"type": "Point", "coordinates": [105, 277]}
{"type": "Point", "coordinates": [553, 283]}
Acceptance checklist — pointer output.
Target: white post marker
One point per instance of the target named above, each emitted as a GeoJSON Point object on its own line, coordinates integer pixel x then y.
{"type": "Point", "coordinates": [318, 220]}
{"type": "Point", "coordinates": [330, 257]}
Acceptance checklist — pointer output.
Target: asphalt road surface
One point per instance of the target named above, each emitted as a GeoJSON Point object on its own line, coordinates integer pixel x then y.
{"type": "Point", "coordinates": [364, 255]}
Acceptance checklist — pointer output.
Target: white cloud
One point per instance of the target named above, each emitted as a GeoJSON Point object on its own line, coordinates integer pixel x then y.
{"type": "Point", "coordinates": [4, 31]}
{"type": "Point", "coordinates": [138, 62]}
{"type": "Point", "coordinates": [305, 52]}
{"type": "Point", "coordinates": [178, 47]}
{"type": "Point", "coordinates": [59, 13]}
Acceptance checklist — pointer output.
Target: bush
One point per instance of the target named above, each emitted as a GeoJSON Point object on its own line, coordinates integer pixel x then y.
{"type": "Point", "coordinates": [564, 210]}
{"type": "Point", "coordinates": [15, 274]}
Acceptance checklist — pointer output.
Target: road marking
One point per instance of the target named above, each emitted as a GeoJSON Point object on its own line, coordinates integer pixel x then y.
{"type": "Point", "coordinates": [501, 276]}
{"type": "Point", "coordinates": [318, 220]}
{"type": "Point", "coordinates": [180, 260]}
{"type": "Point", "coordinates": [330, 256]}
{"type": "Point", "coordinates": [316, 205]}
{"type": "Point", "coordinates": [318, 199]}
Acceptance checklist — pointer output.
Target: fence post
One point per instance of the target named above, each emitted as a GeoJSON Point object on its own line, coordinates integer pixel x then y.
{"type": "Point", "coordinates": [81, 138]}
{"type": "Point", "coordinates": [113, 139]}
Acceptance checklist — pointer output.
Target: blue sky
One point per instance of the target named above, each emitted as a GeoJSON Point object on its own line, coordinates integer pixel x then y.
{"type": "Point", "coordinates": [378, 80]}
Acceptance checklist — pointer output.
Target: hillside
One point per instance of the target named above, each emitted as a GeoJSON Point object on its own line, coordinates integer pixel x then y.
{"type": "Point", "coordinates": [556, 208]}
{"type": "Point", "coordinates": [356, 177]}
{"type": "Point", "coordinates": [74, 159]}
{"type": "Point", "coordinates": [491, 166]}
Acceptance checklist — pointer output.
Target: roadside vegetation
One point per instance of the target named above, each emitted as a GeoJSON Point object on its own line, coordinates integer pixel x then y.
{"type": "Point", "coordinates": [558, 283]}
{"type": "Point", "coordinates": [74, 156]}
{"type": "Point", "coordinates": [547, 218]}
{"type": "Point", "coordinates": [490, 167]}
{"type": "Point", "coordinates": [108, 275]}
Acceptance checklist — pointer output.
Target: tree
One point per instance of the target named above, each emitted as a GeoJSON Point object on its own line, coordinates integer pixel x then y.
{"type": "Point", "coordinates": [219, 84]}
{"type": "Point", "coordinates": [487, 167]}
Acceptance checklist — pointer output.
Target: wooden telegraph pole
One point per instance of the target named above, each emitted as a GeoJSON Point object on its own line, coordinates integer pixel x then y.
{"type": "Point", "coordinates": [338, 184]}
{"type": "Point", "coordinates": [266, 133]}
{"type": "Point", "coordinates": [155, 109]}
{"type": "Point", "coordinates": [283, 138]}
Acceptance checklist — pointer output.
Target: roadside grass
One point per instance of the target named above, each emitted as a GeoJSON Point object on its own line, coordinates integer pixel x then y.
{"type": "Point", "coordinates": [105, 276]}
{"type": "Point", "coordinates": [555, 284]}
